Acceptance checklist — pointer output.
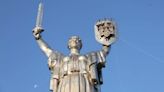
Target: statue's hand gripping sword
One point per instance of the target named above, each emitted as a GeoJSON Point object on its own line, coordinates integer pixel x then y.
{"type": "Point", "coordinates": [38, 27]}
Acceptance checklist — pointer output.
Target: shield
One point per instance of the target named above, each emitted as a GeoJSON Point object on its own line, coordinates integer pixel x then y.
{"type": "Point", "coordinates": [105, 32]}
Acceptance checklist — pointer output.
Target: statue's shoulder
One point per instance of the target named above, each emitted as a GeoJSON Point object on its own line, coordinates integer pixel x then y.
{"type": "Point", "coordinates": [66, 58]}
{"type": "Point", "coordinates": [92, 57]}
{"type": "Point", "coordinates": [56, 55]}
{"type": "Point", "coordinates": [82, 57]}
{"type": "Point", "coordinates": [93, 53]}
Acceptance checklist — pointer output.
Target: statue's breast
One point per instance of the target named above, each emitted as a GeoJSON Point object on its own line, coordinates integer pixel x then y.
{"type": "Point", "coordinates": [64, 66]}
{"type": "Point", "coordinates": [66, 59]}
{"type": "Point", "coordinates": [83, 64]}
{"type": "Point", "coordinates": [74, 64]}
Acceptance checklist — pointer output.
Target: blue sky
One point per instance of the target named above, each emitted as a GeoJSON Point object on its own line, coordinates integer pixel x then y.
{"type": "Point", "coordinates": [136, 60]}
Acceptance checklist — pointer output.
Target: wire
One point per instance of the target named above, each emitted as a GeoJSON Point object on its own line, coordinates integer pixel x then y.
{"type": "Point", "coordinates": [142, 51]}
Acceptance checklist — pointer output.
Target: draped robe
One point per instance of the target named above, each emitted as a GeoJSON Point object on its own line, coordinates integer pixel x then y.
{"type": "Point", "coordinates": [76, 73]}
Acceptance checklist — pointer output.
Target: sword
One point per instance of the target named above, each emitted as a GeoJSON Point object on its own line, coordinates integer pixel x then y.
{"type": "Point", "coordinates": [39, 18]}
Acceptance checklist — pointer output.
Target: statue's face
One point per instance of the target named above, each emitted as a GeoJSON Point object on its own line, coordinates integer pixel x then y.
{"type": "Point", "coordinates": [74, 42]}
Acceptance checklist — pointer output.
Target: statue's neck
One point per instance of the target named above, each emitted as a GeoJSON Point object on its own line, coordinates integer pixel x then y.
{"type": "Point", "coordinates": [74, 51]}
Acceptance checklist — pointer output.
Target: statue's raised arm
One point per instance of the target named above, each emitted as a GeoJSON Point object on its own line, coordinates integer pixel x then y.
{"type": "Point", "coordinates": [42, 44]}
{"type": "Point", "coordinates": [105, 34]}
{"type": "Point", "coordinates": [38, 30]}
{"type": "Point", "coordinates": [54, 57]}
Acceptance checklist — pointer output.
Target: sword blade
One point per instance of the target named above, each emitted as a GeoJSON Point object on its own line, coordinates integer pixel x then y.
{"type": "Point", "coordinates": [39, 16]}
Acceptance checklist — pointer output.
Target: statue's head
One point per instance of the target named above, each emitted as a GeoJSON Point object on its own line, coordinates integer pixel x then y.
{"type": "Point", "coordinates": [75, 43]}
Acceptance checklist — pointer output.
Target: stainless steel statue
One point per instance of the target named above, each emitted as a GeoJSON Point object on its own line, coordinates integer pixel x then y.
{"type": "Point", "coordinates": [76, 72]}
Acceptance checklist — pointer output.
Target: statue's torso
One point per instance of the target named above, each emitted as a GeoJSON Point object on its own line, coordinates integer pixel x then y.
{"type": "Point", "coordinates": [74, 64]}
{"type": "Point", "coordinates": [74, 76]}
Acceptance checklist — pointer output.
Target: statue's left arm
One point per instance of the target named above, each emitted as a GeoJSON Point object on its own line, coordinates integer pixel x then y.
{"type": "Point", "coordinates": [102, 54]}
{"type": "Point", "coordinates": [96, 61]}
{"type": "Point", "coordinates": [106, 49]}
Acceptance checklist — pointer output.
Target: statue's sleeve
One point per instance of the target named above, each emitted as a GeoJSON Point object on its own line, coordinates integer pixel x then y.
{"type": "Point", "coordinates": [44, 47]}
{"type": "Point", "coordinates": [101, 56]}
{"type": "Point", "coordinates": [101, 61]}
{"type": "Point", "coordinates": [92, 67]}
{"type": "Point", "coordinates": [54, 61]}
{"type": "Point", "coordinates": [96, 61]}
